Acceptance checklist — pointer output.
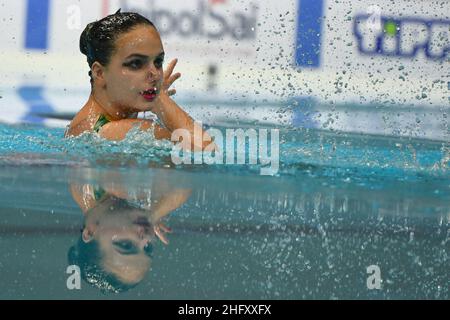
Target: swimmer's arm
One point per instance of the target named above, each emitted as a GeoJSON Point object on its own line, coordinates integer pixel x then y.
{"type": "Point", "coordinates": [165, 205]}
{"type": "Point", "coordinates": [169, 202]}
{"type": "Point", "coordinates": [117, 130]}
{"type": "Point", "coordinates": [84, 200]}
{"type": "Point", "coordinates": [173, 118]}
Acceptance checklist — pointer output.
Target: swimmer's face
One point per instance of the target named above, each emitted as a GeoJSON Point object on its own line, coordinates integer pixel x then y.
{"type": "Point", "coordinates": [124, 240]}
{"type": "Point", "coordinates": [134, 76]}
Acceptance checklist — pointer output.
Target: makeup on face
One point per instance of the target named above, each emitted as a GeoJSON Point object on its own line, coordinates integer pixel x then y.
{"type": "Point", "coordinates": [137, 62]}
{"type": "Point", "coordinates": [129, 247]}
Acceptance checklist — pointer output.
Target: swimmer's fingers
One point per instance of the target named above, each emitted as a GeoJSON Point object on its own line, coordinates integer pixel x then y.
{"type": "Point", "coordinates": [161, 236]}
{"type": "Point", "coordinates": [168, 83]}
{"type": "Point", "coordinates": [169, 69]}
{"type": "Point", "coordinates": [165, 228]}
{"type": "Point", "coordinates": [172, 79]}
{"type": "Point", "coordinates": [159, 231]}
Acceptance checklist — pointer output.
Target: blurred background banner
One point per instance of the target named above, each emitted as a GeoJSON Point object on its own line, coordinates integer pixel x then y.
{"type": "Point", "coordinates": [379, 67]}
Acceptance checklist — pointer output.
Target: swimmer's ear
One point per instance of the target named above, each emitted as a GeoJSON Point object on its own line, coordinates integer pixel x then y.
{"type": "Point", "coordinates": [87, 235]}
{"type": "Point", "coordinates": [98, 73]}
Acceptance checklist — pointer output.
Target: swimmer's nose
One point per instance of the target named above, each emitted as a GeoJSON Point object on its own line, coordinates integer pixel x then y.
{"type": "Point", "coordinates": [153, 73]}
{"type": "Point", "coordinates": [142, 231]}
{"type": "Point", "coordinates": [145, 241]}
{"type": "Point", "coordinates": [145, 233]}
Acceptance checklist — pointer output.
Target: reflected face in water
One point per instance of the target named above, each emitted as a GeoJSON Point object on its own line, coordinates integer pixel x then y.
{"type": "Point", "coordinates": [121, 223]}
{"type": "Point", "coordinates": [124, 237]}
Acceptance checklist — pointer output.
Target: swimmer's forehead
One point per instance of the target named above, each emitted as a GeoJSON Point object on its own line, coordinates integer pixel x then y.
{"type": "Point", "coordinates": [129, 269]}
{"type": "Point", "coordinates": [142, 40]}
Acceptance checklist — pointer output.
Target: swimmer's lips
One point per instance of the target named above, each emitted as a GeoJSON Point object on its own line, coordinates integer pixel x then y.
{"type": "Point", "coordinates": [150, 94]}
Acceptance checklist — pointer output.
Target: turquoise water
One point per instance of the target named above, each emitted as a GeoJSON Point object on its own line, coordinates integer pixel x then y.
{"type": "Point", "coordinates": [338, 204]}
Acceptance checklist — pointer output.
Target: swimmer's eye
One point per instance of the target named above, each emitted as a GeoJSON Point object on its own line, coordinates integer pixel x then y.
{"type": "Point", "coordinates": [134, 64]}
{"type": "Point", "coordinates": [125, 247]}
{"type": "Point", "coordinates": [159, 63]}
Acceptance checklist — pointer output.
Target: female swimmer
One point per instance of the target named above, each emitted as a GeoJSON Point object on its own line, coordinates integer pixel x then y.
{"type": "Point", "coordinates": [125, 55]}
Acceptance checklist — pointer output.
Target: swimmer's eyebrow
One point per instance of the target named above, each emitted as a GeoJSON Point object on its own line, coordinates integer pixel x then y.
{"type": "Point", "coordinates": [138, 55]}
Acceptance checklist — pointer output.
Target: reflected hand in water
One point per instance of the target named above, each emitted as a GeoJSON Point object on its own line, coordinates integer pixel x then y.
{"type": "Point", "coordinates": [160, 229]}
{"type": "Point", "coordinates": [122, 222]}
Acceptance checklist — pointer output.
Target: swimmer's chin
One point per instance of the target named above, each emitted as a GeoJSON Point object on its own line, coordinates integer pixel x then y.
{"type": "Point", "coordinates": [150, 106]}
{"type": "Point", "coordinates": [156, 104]}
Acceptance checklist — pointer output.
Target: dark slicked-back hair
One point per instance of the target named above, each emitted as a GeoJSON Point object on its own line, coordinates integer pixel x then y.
{"type": "Point", "coordinates": [97, 41]}
{"type": "Point", "coordinates": [88, 258]}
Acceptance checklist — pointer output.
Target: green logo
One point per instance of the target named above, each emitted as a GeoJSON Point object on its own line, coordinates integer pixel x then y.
{"type": "Point", "coordinates": [390, 27]}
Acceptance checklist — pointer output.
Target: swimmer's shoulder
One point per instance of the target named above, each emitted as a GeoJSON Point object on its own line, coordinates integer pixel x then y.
{"type": "Point", "coordinates": [83, 121]}
{"type": "Point", "coordinates": [113, 130]}
{"type": "Point", "coordinates": [77, 127]}
{"type": "Point", "coordinates": [117, 130]}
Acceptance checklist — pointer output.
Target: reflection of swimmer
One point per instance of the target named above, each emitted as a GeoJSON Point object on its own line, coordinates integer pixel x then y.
{"type": "Point", "coordinates": [125, 55]}
{"type": "Point", "coordinates": [115, 248]}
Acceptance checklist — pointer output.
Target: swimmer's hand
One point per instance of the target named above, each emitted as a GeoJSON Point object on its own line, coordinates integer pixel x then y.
{"type": "Point", "coordinates": [170, 78]}
{"type": "Point", "coordinates": [160, 230]}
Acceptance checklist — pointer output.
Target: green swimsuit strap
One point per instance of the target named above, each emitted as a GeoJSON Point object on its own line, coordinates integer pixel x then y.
{"type": "Point", "coordinates": [99, 192]}
{"type": "Point", "coordinates": [102, 120]}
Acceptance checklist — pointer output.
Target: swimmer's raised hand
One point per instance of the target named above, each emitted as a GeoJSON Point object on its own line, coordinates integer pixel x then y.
{"type": "Point", "coordinates": [160, 230]}
{"type": "Point", "coordinates": [170, 78]}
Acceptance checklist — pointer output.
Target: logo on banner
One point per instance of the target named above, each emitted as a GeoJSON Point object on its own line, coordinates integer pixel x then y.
{"type": "Point", "coordinates": [37, 26]}
{"type": "Point", "coordinates": [402, 37]}
{"type": "Point", "coordinates": [309, 33]}
{"type": "Point", "coordinates": [202, 19]}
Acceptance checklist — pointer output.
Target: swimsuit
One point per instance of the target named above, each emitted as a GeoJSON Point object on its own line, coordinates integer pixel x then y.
{"type": "Point", "coordinates": [97, 193]}
{"type": "Point", "coordinates": [102, 120]}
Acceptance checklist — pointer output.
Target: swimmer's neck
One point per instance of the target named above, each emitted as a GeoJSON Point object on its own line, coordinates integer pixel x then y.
{"type": "Point", "coordinates": [100, 104]}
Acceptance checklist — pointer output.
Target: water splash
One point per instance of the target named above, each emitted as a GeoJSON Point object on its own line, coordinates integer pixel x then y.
{"type": "Point", "coordinates": [350, 158]}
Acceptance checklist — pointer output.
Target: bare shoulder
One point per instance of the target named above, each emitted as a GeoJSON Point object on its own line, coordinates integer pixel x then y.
{"type": "Point", "coordinates": [78, 128]}
{"type": "Point", "coordinates": [117, 130]}
{"type": "Point", "coordinates": [83, 121]}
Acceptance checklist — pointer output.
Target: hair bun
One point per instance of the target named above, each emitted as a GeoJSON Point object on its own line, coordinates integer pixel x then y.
{"type": "Point", "coordinates": [85, 39]}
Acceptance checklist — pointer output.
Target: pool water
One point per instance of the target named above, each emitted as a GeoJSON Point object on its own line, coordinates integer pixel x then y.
{"type": "Point", "coordinates": [339, 206]}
